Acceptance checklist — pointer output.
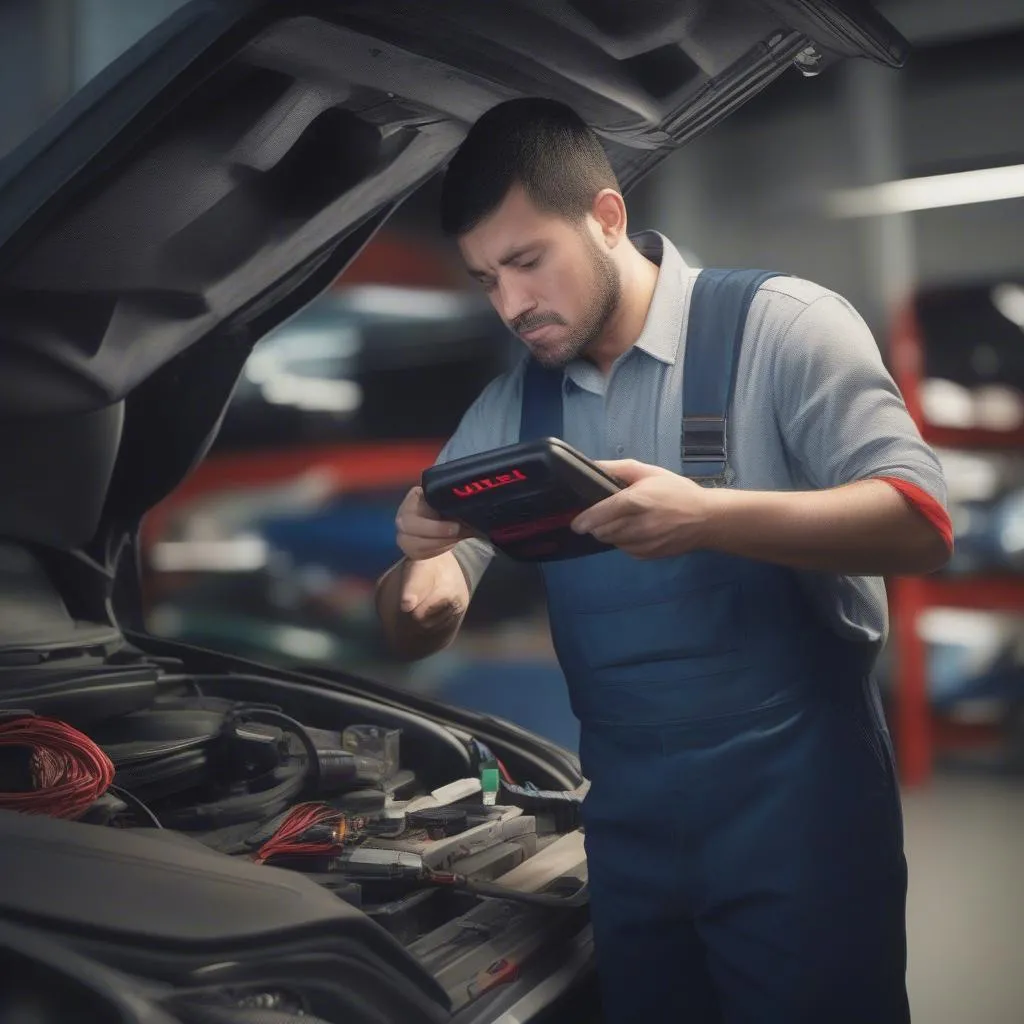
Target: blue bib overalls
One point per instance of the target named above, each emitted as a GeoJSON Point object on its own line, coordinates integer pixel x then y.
{"type": "Point", "coordinates": [743, 826]}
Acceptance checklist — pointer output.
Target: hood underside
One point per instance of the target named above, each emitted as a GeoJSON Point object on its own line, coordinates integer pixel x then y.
{"type": "Point", "coordinates": [223, 172]}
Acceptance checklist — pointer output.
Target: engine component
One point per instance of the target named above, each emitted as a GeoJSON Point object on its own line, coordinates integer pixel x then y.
{"type": "Point", "coordinates": [367, 862]}
{"type": "Point", "coordinates": [210, 921]}
{"type": "Point", "coordinates": [342, 769]}
{"type": "Point", "coordinates": [461, 789]}
{"type": "Point", "coordinates": [439, 822]}
{"type": "Point", "coordinates": [55, 769]}
{"type": "Point", "coordinates": [566, 808]}
{"type": "Point", "coordinates": [438, 854]}
{"type": "Point", "coordinates": [386, 824]}
{"type": "Point", "coordinates": [490, 783]}
{"type": "Point", "coordinates": [306, 830]}
{"type": "Point", "coordinates": [375, 742]}
{"type": "Point", "coordinates": [362, 801]}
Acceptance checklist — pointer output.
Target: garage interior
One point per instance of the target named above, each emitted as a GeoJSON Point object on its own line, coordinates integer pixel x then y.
{"type": "Point", "coordinates": [904, 192]}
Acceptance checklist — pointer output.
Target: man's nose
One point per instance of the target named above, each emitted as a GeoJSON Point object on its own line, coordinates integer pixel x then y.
{"type": "Point", "coordinates": [513, 300]}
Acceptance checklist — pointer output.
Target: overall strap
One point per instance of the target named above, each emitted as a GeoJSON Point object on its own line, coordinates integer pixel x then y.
{"type": "Point", "coordinates": [541, 414]}
{"type": "Point", "coordinates": [718, 314]}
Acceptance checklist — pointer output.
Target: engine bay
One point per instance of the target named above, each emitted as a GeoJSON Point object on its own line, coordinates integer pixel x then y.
{"type": "Point", "coordinates": [155, 768]}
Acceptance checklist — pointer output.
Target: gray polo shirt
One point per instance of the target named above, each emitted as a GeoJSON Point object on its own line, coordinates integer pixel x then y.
{"type": "Point", "coordinates": [814, 407]}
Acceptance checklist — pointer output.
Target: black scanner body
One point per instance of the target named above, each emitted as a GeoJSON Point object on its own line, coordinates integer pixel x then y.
{"type": "Point", "coordinates": [522, 497]}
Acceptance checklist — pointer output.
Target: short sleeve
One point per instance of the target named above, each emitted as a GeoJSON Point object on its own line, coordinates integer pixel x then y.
{"type": "Point", "coordinates": [839, 411]}
{"type": "Point", "coordinates": [492, 421]}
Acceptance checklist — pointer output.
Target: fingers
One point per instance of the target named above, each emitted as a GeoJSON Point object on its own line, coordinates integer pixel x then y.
{"type": "Point", "coordinates": [603, 514]}
{"type": "Point", "coordinates": [422, 533]}
{"type": "Point", "coordinates": [426, 605]}
{"type": "Point", "coordinates": [432, 612]}
{"type": "Point", "coordinates": [628, 502]}
{"type": "Point", "coordinates": [619, 532]}
{"type": "Point", "coordinates": [629, 532]}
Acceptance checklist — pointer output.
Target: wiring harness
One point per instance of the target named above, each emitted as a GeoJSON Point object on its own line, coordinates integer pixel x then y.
{"type": "Point", "coordinates": [309, 829]}
{"type": "Point", "coordinates": [64, 772]}
{"type": "Point", "coordinates": [317, 830]}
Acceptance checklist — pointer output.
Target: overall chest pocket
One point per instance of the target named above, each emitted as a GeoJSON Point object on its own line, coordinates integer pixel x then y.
{"type": "Point", "coordinates": [627, 620]}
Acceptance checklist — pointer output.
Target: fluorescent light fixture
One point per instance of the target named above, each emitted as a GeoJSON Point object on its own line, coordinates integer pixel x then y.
{"type": "Point", "coordinates": [407, 303]}
{"type": "Point", "coordinates": [1011, 536]}
{"type": "Point", "coordinates": [1009, 300]}
{"type": "Point", "coordinates": [946, 403]}
{"type": "Point", "coordinates": [981, 186]}
{"type": "Point", "coordinates": [279, 353]}
{"type": "Point", "coordinates": [969, 477]}
{"type": "Point", "coordinates": [303, 643]}
{"type": "Point", "coordinates": [984, 631]}
{"type": "Point", "coordinates": [244, 553]}
{"type": "Point", "coordinates": [310, 394]}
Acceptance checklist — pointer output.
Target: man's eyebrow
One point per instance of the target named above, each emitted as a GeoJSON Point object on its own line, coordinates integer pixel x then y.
{"type": "Point", "coordinates": [510, 257]}
{"type": "Point", "coordinates": [514, 254]}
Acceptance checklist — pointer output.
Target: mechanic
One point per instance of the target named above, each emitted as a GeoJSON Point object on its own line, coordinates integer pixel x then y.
{"type": "Point", "coordinates": [743, 826]}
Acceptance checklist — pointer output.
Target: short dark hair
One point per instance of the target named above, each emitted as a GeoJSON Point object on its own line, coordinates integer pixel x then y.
{"type": "Point", "coordinates": [539, 144]}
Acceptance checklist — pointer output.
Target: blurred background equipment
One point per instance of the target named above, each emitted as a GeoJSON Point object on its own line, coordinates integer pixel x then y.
{"type": "Point", "coordinates": [958, 655]}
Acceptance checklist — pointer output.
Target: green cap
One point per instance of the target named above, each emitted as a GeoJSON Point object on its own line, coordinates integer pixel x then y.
{"type": "Point", "coordinates": [489, 780]}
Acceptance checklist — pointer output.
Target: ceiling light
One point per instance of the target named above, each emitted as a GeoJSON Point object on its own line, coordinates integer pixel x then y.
{"type": "Point", "coordinates": [407, 303]}
{"type": "Point", "coordinates": [244, 553]}
{"type": "Point", "coordinates": [312, 394]}
{"type": "Point", "coordinates": [1009, 300]}
{"type": "Point", "coordinates": [981, 186]}
{"type": "Point", "coordinates": [303, 643]}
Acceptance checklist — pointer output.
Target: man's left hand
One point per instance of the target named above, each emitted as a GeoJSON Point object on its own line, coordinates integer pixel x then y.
{"type": "Point", "coordinates": [657, 514]}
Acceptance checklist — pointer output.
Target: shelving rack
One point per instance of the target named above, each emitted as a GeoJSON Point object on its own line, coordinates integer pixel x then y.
{"type": "Point", "coordinates": [920, 734]}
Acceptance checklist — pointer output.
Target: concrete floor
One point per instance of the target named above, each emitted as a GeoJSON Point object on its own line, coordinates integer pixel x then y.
{"type": "Point", "coordinates": [965, 849]}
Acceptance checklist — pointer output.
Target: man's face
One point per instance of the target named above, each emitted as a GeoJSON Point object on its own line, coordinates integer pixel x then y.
{"type": "Point", "coordinates": [547, 277]}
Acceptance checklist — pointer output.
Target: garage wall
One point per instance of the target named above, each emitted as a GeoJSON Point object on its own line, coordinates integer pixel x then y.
{"type": "Point", "coordinates": [747, 193]}
{"type": "Point", "coordinates": [969, 118]}
{"type": "Point", "coordinates": [737, 195]}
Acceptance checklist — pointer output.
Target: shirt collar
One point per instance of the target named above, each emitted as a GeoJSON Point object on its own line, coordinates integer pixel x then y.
{"type": "Point", "coordinates": [663, 326]}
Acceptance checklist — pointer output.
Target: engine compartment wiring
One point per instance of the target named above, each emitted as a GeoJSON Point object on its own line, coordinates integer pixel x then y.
{"type": "Point", "coordinates": [68, 771]}
{"type": "Point", "coordinates": [308, 829]}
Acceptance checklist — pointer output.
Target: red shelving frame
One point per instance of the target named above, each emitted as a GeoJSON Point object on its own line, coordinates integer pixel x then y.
{"type": "Point", "coordinates": [918, 732]}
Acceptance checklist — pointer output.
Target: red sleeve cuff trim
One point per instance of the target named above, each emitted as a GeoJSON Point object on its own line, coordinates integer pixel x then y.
{"type": "Point", "coordinates": [928, 506]}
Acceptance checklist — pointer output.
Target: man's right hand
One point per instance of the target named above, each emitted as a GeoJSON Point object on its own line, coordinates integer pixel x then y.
{"type": "Point", "coordinates": [422, 600]}
{"type": "Point", "coordinates": [422, 533]}
{"type": "Point", "coordinates": [433, 595]}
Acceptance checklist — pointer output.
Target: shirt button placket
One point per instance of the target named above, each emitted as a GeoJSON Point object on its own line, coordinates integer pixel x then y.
{"type": "Point", "coordinates": [613, 411]}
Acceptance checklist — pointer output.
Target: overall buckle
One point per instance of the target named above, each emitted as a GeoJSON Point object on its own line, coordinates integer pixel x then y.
{"type": "Point", "coordinates": [705, 449]}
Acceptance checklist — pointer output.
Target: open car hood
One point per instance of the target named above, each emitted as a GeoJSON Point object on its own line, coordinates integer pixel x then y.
{"type": "Point", "coordinates": [222, 173]}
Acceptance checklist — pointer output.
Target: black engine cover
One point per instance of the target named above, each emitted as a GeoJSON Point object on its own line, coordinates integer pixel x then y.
{"type": "Point", "coordinates": [162, 906]}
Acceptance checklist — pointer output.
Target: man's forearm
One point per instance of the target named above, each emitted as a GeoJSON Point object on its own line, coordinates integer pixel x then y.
{"type": "Point", "coordinates": [862, 529]}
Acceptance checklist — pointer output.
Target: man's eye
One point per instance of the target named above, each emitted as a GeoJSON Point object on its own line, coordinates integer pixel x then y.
{"type": "Point", "coordinates": [530, 264]}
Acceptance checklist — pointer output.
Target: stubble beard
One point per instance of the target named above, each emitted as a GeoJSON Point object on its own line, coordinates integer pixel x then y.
{"type": "Point", "coordinates": [607, 294]}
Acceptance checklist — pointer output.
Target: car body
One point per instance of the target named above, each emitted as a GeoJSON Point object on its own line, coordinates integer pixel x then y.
{"type": "Point", "coordinates": [194, 196]}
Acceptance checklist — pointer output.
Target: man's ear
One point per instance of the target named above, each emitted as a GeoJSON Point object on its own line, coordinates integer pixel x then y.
{"type": "Point", "coordinates": [609, 210]}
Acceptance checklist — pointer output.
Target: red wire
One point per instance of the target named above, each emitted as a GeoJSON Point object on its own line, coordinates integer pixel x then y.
{"type": "Point", "coordinates": [301, 818]}
{"type": "Point", "coordinates": [69, 771]}
{"type": "Point", "coordinates": [505, 773]}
